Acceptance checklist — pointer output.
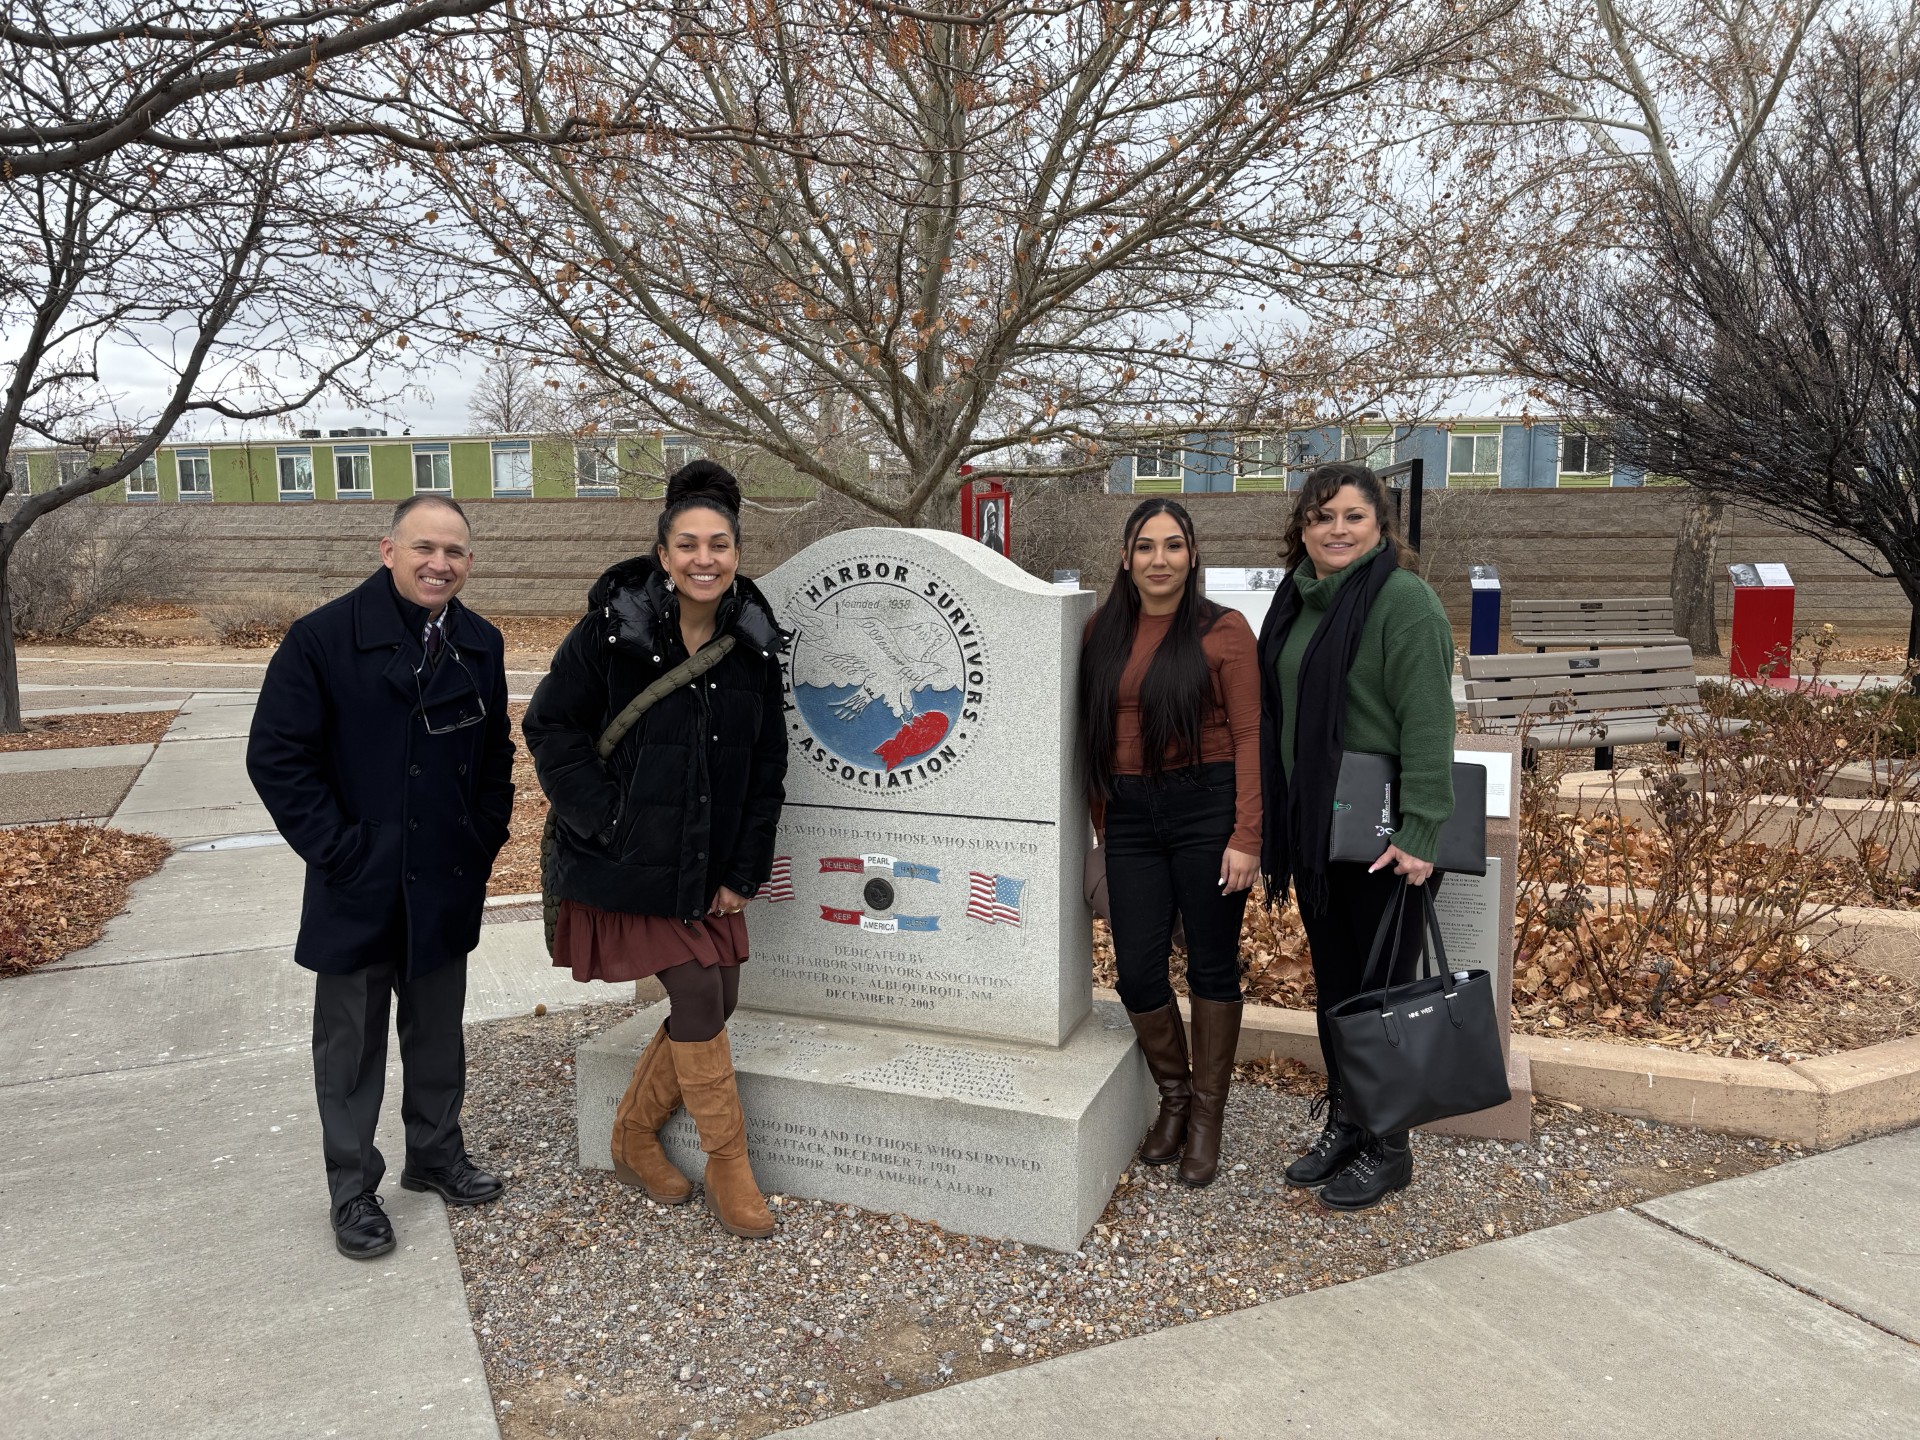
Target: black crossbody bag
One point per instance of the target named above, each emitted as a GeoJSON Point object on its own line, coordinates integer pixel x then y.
{"type": "Point", "coordinates": [1422, 1051]}
{"type": "Point", "coordinates": [1366, 812]}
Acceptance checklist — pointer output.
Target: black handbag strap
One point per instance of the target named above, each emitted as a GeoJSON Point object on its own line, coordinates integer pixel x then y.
{"type": "Point", "coordinates": [1385, 942]}
{"type": "Point", "coordinates": [1433, 947]}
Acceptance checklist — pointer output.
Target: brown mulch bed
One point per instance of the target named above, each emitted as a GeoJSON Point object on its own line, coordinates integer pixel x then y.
{"type": "Point", "coordinates": [145, 625]}
{"type": "Point", "coordinates": [530, 636]}
{"type": "Point", "coordinates": [60, 884]}
{"type": "Point", "coordinates": [1815, 1004]}
{"type": "Point", "coordinates": [73, 732]}
{"type": "Point", "coordinates": [517, 871]}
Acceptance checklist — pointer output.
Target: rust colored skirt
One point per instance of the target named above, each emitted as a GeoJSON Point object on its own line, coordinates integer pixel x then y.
{"type": "Point", "coordinates": [610, 945]}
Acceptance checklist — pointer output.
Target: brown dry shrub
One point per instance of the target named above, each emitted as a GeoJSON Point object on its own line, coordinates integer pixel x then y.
{"type": "Point", "coordinates": [257, 623]}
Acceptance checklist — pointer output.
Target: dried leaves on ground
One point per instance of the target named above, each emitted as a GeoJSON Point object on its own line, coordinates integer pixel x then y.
{"type": "Point", "coordinates": [62, 732]}
{"type": "Point", "coordinates": [60, 884]}
{"type": "Point", "coordinates": [517, 871]}
{"type": "Point", "coordinates": [531, 636]}
{"type": "Point", "coordinates": [600, 1314]}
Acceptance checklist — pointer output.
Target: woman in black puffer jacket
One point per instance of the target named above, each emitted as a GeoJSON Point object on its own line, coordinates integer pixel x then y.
{"type": "Point", "coordinates": [659, 847]}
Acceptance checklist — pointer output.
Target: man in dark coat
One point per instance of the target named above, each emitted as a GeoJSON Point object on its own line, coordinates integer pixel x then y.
{"type": "Point", "coordinates": [381, 748]}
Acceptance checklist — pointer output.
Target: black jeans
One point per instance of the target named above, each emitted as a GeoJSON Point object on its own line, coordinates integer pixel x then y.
{"type": "Point", "coordinates": [350, 1069]}
{"type": "Point", "coordinates": [1164, 841]}
{"type": "Point", "coordinates": [1341, 935]}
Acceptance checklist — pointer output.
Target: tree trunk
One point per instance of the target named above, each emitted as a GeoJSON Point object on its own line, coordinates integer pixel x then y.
{"type": "Point", "coordinates": [10, 721]}
{"type": "Point", "coordinates": [1913, 640]}
{"type": "Point", "coordinates": [1692, 578]}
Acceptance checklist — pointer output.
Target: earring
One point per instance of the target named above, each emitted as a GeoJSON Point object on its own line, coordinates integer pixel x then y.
{"type": "Point", "coordinates": [670, 585]}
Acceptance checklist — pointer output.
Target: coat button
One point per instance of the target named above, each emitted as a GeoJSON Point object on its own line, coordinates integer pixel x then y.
{"type": "Point", "coordinates": [613, 639]}
{"type": "Point", "coordinates": [411, 877]}
{"type": "Point", "coordinates": [463, 769]}
{"type": "Point", "coordinates": [458, 872]}
{"type": "Point", "coordinates": [701, 856]}
{"type": "Point", "coordinates": [463, 819]}
{"type": "Point", "coordinates": [413, 769]}
{"type": "Point", "coordinates": [703, 799]}
{"type": "Point", "coordinates": [413, 824]}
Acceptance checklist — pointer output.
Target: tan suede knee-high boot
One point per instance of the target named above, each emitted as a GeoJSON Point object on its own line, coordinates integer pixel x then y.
{"type": "Point", "coordinates": [712, 1097]}
{"type": "Point", "coordinates": [652, 1096]}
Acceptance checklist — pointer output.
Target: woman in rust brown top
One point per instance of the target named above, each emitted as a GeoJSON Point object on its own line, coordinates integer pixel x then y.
{"type": "Point", "coordinates": [1170, 693]}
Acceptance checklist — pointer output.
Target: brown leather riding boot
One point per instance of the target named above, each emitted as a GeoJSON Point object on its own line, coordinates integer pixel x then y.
{"type": "Point", "coordinates": [712, 1097]}
{"type": "Point", "coordinates": [1163, 1040]}
{"type": "Point", "coordinates": [1216, 1035]}
{"type": "Point", "coordinates": [653, 1094]}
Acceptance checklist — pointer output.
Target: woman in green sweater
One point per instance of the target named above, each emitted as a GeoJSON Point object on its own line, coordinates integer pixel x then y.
{"type": "Point", "coordinates": [1356, 654]}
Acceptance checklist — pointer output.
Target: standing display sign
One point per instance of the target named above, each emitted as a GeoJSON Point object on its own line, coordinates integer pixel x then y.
{"type": "Point", "coordinates": [1762, 622]}
{"type": "Point", "coordinates": [1483, 634]}
{"type": "Point", "coordinates": [986, 515]}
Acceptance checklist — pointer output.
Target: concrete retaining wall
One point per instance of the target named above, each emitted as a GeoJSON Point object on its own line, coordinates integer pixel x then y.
{"type": "Point", "coordinates": [539, 556]}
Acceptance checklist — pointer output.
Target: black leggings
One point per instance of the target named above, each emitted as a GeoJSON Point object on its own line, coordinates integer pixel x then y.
{"type": "Point", "coordinates": [1164, 842]}
{"type": "Point", "coordinates": [1341, 935]}
{"type": "Point", "coordinates": [700, 998]}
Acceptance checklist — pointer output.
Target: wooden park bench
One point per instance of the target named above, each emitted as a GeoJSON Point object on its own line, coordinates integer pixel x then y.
{"type": "Point", "coordinates": [1544, 624]}
{"type": "Point", "coordinates": [1602, 698]}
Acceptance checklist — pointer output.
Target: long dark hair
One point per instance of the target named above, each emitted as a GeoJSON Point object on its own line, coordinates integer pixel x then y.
{"type": "Point", "coordinates": [1176, 690]}
{"type": "Point", "coordinates": [1323, 482]}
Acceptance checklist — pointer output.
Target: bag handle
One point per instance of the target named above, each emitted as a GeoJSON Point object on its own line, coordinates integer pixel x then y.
{"type": "Point", "coordinates": [688, 670]}
{"type": "Point", "coordinates": [1384, 941]}
{"type": "Point", "coordinates": [1433, 946]}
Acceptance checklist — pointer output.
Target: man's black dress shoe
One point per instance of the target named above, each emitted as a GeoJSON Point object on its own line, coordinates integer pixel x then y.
{"type": "Point", "coordinates": [461, 1183]}
{"type": "Point", "coordinates": [361, 1229]}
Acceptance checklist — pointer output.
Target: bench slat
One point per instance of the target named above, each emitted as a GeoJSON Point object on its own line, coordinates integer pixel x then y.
{"type": "Point", "coordinates": [1622, 658]}
{"type": "Point", "coordinates": [1594, 607]}
{"type": "Point", "coordinates": [1568, 640]}
{"type": "Point", "coordinates": [1683, 697]}
{"type": "Point", "coordinates": [1604, 684]}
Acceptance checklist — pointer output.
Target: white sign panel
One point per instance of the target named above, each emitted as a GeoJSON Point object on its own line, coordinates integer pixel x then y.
{"type": "Point", "coordinates": [1468, 907]}
{"type": "Point", "coordinates": [1499, 767]}
{"type": "Point", "coordinates": [1774, 575]}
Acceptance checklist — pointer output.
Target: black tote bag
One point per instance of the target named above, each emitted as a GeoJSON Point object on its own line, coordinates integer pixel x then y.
{"type": "Point", "coordinates": [1430, 1048]}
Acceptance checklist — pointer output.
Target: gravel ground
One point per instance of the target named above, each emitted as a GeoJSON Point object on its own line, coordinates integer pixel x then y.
{"type": "Point", "coordinates": [600, 1314]}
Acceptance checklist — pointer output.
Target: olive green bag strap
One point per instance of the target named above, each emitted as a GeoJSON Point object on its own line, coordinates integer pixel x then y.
{"type": "Point", "coordinates": [685, 673]}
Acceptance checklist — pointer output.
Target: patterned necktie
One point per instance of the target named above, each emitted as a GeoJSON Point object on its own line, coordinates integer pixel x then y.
{"type": "Point", "coordinates": [434, 637]}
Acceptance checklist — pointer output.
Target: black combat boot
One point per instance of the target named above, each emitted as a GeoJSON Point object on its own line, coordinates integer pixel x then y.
{"type": "Point", "coordinates": [1384, 1165]}
{"type": "Point", "coordinates": [1339, 1142]}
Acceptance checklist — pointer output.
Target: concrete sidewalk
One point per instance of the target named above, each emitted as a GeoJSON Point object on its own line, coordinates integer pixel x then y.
{"type": "Point", "coordinates": [1782, 1304]}
{"type": "Point", "coordinates": [166, 1267]}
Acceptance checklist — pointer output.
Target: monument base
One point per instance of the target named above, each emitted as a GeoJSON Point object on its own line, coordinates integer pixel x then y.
{"type": "Point", "coordinates": [1013, 1141]}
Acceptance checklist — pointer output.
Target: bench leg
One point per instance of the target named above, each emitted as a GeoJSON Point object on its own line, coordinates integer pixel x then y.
{"type": "Point", "coordinates": [1603, 757]}
{"type": "Point", "coordinates": [1673, 747]}
{"type": "Point", "coordinates": [1529, 758]}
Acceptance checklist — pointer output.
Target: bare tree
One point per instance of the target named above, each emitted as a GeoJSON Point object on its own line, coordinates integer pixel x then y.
{"type": "Point", "coordinates": [947, 231]}
{"type": "Point", "coordinates": [184, 199]}
{"type": "Point", "coordinates": [1602, 114]}
{"type": "Point", "coordinates": [512, 397]}
{"type": "Point", "coordinates": [1765, 349]}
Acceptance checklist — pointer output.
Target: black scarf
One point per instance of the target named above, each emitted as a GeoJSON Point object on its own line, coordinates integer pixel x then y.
{"type": "Point", "coordinates": [1297, 825]}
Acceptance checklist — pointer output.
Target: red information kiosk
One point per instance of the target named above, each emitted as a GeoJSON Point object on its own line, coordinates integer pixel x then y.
{"type": "Point", "coordinates": [986, 513]}
{"type": "Point", "coordinates": [1762, 624]}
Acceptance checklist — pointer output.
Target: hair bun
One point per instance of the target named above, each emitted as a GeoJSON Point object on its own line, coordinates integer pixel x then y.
{"type": "Point", "coordinates": [704, 480]}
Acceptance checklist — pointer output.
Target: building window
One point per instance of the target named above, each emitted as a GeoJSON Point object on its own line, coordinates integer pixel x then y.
{"type": "Point", "coordinates": [1261, 463]}
{"type": "Point", "coordinates": [352, 472]}
{"type": "Point", "coordinates": [144, 483]}
{"type": "Point", "coordinates": [1158, 468]}
{"type": "Point", "coordinates": [596, 469]}
{"type": "Point", "coordinates": [194, 472]}
{"type": "Point", "coordinates": [512, 469]}
{"type": "Point", "coordinates": [73, 467]}
{"type": "Point", "coordinates": [675, 453]}
{"type": "Point", "coordinates": [1583, 454]}
{"type": "Point", "coordinates": [20, 474]}
{"type": "Point", "coordinates": [1368, 447]}
{"type": "Point", "coordinates": [432, 470]}
{"type": "Point", "coordinates": [1473, 460]}
{"type": "Point", "coordinates": [296, 473]}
